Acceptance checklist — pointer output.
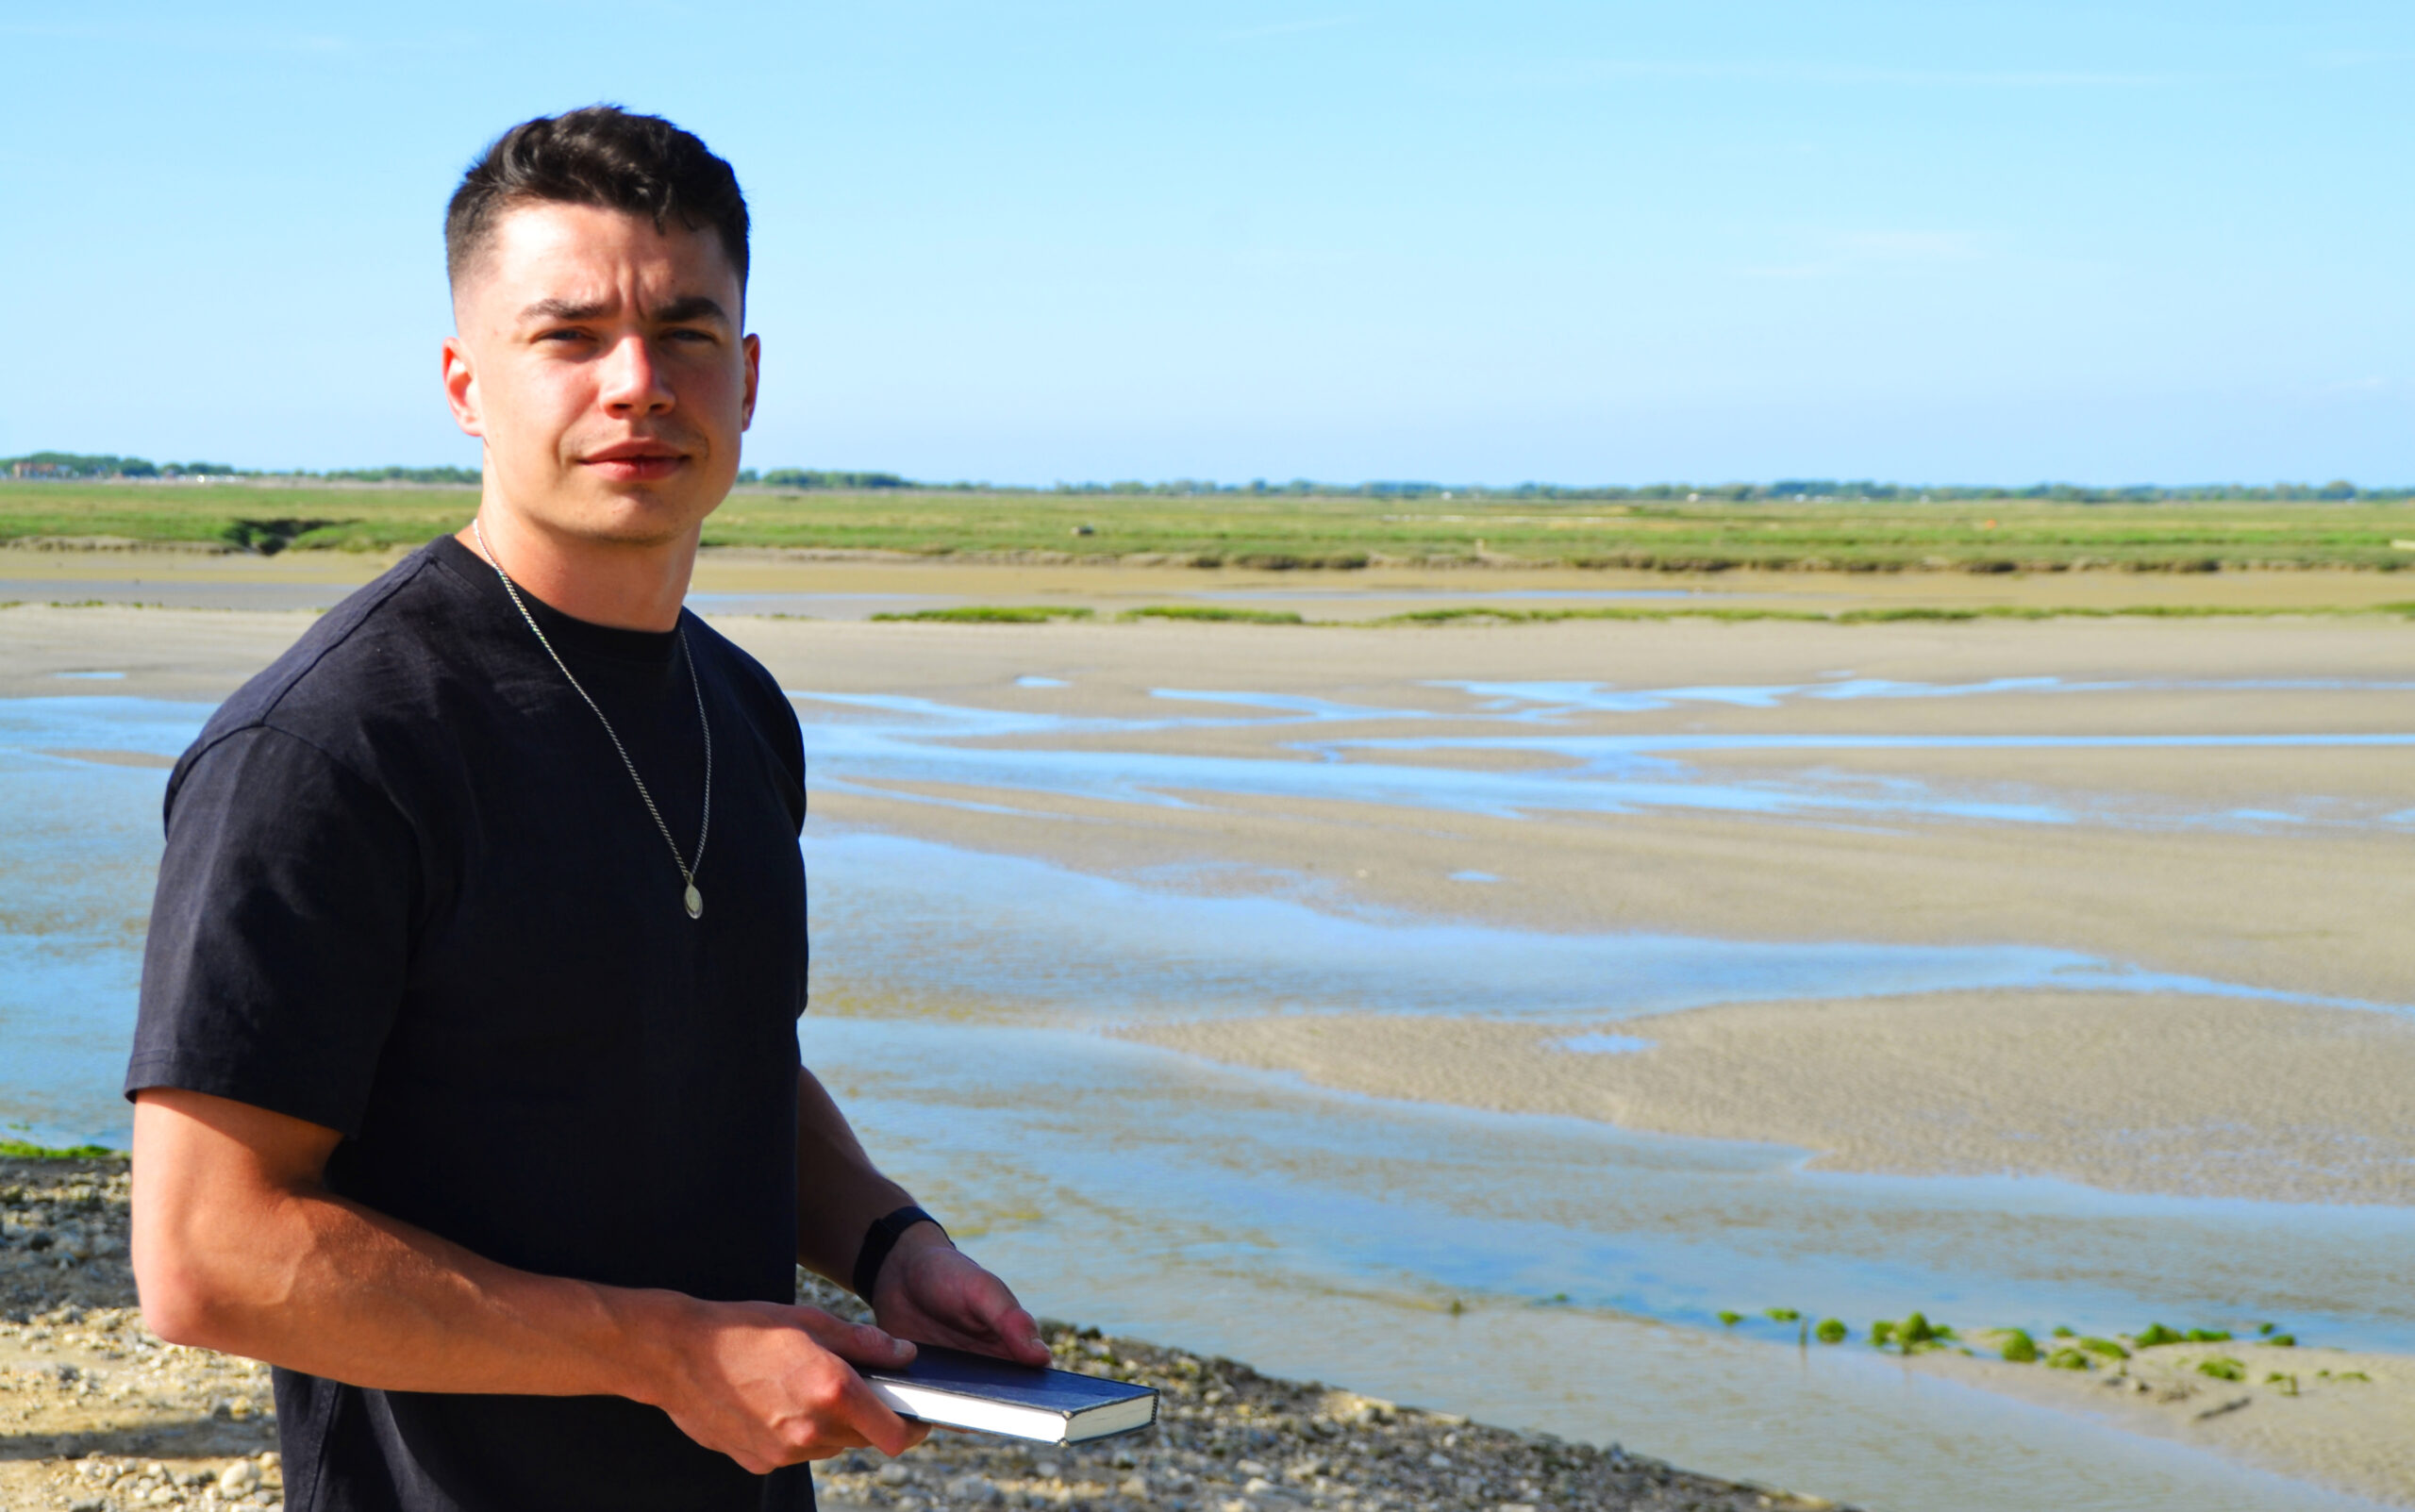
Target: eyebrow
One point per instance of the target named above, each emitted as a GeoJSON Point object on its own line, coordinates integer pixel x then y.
{"type": "Point", "coordinates": [563, 309]}
{"type": "Point", "coordinates": [689, 308]}
{"type": "Point", "coordinates": [686, 308]}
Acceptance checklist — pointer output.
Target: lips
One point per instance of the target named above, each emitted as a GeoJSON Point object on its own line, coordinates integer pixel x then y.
{"type": "Point", "coordinates": [634, 461]}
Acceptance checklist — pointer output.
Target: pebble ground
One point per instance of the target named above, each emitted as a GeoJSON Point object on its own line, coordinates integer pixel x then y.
{"type": "Point", "coordinates": [98, 1414]}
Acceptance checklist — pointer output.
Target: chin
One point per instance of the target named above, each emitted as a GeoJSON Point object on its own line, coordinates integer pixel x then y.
{"type": "Point", "coordinates": [639, 514]}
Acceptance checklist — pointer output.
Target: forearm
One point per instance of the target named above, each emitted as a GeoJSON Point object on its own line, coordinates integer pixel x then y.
{"type": "Point", "coordinates": [839, 1193]}
{"type": "Point", "coordinates": [239, 1246]}
{"type": "Point", "coordinates": [323, 1286]}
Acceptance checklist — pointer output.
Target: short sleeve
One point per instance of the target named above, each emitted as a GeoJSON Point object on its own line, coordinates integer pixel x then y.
{"type": "Point", "coordinates": [280, 934]}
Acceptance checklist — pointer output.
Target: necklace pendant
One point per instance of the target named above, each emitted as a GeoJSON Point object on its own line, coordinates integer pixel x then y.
{"type": "Point", "coordinates": [695, 901]}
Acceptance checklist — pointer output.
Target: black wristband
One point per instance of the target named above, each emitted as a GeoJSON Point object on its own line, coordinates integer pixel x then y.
{"type": "Point", "coordinates": [881, 1238]}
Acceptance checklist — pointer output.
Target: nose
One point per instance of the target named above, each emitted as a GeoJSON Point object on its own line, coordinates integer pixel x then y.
{"type": "Point", "coordinates": [632, 381]}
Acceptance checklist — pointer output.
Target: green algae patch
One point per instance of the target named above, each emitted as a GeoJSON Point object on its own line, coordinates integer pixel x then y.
{"type": "Point", "coordinates": [21, 1150]}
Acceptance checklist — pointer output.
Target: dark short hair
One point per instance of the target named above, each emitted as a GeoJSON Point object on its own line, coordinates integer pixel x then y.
{"type": "Point", "coordinates": [601, 155]}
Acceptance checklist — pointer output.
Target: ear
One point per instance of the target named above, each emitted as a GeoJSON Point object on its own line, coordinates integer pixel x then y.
{"type": "Point", "coordinates": [461, 388]}
{"type": "Point", "coordinates": [754, 348]}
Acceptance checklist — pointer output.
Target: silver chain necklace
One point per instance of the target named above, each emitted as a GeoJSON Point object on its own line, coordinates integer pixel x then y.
{"type": "Point", "coordinates": [695, 899]}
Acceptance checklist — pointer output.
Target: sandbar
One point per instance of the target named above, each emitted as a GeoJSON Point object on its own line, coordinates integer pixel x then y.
{"type": "Point", "coordinates": [2157, 1092]}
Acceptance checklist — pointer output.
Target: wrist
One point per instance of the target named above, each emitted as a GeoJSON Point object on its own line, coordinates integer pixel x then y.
{"type": "Point", "coordinates": [908, 1228]}
{"type": "Point", "coordinates": [657, 1338]}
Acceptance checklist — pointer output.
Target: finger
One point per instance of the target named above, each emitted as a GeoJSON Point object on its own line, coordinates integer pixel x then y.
{"type": "Point", "coordinates": [856, 1343]}
{"type": "Point", "coordinates": [1019, 1332]}
{"type": "Point", "coordinates": [864, 1344]}
{"type": "Point", "coordinates": [995, 1312]}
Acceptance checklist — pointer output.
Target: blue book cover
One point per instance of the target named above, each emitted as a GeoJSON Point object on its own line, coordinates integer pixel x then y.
{"type": "Point", "coordinates": [964, 1391]}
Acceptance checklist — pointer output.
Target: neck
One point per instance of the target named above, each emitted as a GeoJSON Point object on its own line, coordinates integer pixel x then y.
{"type": "Point", "coordinates": [626, 585]}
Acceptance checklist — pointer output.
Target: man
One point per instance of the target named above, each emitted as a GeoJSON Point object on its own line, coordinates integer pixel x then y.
{"type": "Point", "coordinates": [467, 1087]}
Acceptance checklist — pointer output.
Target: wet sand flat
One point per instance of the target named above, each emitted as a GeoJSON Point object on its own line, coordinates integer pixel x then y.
{"type": "Point", "coordinates": [2334, 1416]}
{"type": "Point", "coordinates": [1897, 807]}
{"type": "Point", "coordinates": [2148, 864]}
{"type": "Point", "coordinates": [2144, 1092]}
{"type": "Point", "coordinates": [2149, 867]}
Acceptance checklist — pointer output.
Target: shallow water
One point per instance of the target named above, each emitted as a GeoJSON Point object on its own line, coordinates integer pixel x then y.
{"type": "Point", "coordinates": [79, 841]}
{"type": "Point", "coordinates": [962, 1001]}
{"type": "Point", "coordinates": [1324, 1236]}
{"type": "Point", "coordinates": [957, 927]}
{"type": "Point", "coordinates": [1668, 1228]}
{"type": "Point", "coordinates": [874, 743]}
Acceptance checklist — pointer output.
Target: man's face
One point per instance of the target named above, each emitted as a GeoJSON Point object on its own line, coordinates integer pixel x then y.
{"type": "Point", "coordinates": [601, 361]}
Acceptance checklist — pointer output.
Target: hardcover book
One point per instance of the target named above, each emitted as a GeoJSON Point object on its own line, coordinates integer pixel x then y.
{"type": "Point", "coordinates": [954, 1389]}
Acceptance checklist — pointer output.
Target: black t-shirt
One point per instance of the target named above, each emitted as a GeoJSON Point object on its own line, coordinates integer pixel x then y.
{"type": "Point", "coordinates": [411, 894]}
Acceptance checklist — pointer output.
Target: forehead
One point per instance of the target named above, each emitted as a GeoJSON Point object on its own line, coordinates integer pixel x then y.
{"type": "Point", "coordinates": [542, 249]}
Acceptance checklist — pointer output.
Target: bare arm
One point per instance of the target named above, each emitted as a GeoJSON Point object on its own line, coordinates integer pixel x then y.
{"type": "Point", "coordinates": [927, 1290]}
{"type": "Point", "coordinates": [839, 1193]}
{"type": "Point", "coordinates": [239, 1246]}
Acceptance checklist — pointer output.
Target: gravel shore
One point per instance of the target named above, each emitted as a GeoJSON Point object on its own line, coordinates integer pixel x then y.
{"type": "Point", "coordinates": [98, 1414]}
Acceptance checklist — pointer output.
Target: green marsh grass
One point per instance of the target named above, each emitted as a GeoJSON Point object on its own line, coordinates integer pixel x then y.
{"type": "Point", "coordinates": [1212, 612]}
{"type": "Point", "coordinates": [993, 614]}
{"type": "Point", "coordinates": [1279, 533]}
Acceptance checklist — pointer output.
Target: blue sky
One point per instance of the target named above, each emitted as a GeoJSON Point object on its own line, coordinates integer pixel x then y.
{"type": "Point", "coordinates": [1486, 242]}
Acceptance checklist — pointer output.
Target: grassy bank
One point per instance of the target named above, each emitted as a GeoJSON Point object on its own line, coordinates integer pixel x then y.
{"type": "Point", "coordinates": [2002, 535]}
{"type": "Point", "coordinates": [1479, 614]}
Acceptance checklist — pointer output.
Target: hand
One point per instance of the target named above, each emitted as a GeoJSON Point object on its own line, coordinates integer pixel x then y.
{"type": "Point", "coordinates": [930, 1290]}
{"type": "Point", "coordinates": [771, 1386]}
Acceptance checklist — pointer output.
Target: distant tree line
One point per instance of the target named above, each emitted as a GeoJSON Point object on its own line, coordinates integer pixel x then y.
{"type": "Point", "coordinates": [81, 465]}
{"type": "Point", "coordinates": [401, 474]}
{"type": "Point", "coordinates": [78, 465]}
{"type": "Point", "coordinates": [807, 477]}
{"type": "Point", "coordinates": [1805, 489]}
